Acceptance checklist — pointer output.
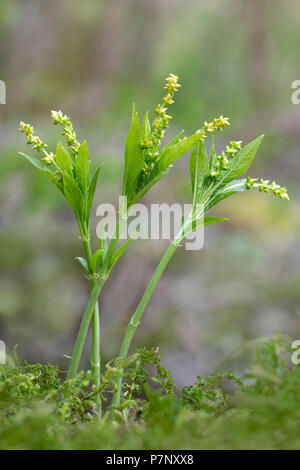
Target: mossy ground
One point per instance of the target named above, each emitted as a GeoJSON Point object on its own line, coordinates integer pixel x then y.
{"type": "Point", "coordinates": [40, 411]}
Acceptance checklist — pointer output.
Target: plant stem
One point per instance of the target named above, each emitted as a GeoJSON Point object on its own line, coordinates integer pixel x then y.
{"type": "Point", "coordinates": [85, 323]}
{"type": "Point", "coordinates": [91, 313]}
{"type": "Point", "coordinates": [136, 317]}
{"type": "Point", "coordinates": [96, 354]}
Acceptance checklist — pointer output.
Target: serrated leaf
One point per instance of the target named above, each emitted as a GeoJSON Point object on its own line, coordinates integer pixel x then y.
{"type": "Point", "coordinates": [63, 159]}
{"type": "Point", "coordinates": [83, 263]}
{"type": "Point", "coordinates": [199, 167]}
{"type": "Point", "coordinates": [73, 195]}
{"type": "Point", "coordinates": [227, 190]}
{"type": "Point", "coordinates": [168, 155]}
{"type": "Point", "coordinates": [171, 153]}
{"type": "Point", "coordinates": [83, 167]}
{"type": "Point", "coordinates": [242, 160]}
{"type": "Point", "coordinates": [134, 158]}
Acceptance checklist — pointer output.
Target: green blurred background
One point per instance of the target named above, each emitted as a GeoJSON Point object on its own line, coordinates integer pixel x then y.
{"type": "Point", "coordinates": [92, 59]}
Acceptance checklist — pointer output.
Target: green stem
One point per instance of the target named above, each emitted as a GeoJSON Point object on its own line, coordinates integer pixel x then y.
{"type": "Point", "coordinates": [136, 317]}
{"type": "Point", "coordinates": [91, 312]}
{"type": "Point", "coordinates": [96, 355]}
{"type": "Point", "coordinates": [85, 323]}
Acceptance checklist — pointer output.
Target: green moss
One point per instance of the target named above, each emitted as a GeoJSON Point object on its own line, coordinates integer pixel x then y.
{"type": "Point", "coordinates": [40, 411]}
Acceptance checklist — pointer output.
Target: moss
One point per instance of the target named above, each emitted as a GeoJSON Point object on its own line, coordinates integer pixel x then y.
{"type": "Point", "coordinates": [40, 411]}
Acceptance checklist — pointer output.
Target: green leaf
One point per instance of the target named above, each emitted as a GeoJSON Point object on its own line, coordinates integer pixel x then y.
{"type": "Point", "coordinates": [213, 155]}
{"type": "Point", "coordinates": [134, 158]}
{"type": "Point", "coordinates": [83, 167]}
{"type": "Point", "coordinates": [92, 190]}
{"type": "Point", "coordinates": [202, 222]}
{"type": "Point", "coordinates": [168, 155]}
{"type": "Point", "coordinates": [83, 263]}
{"type": "Point", "coordinates": [103, 241]}
{"type": "Point", "coordinates": [199, 167]}
{"type": "Point", "coordinates": [227, 190]}
{"type": "Point", "coordinates": [208, 220]}
{"type": "Point", "coordinates": [120, 251]}
{"type": "Point", "coordinates": [95, 260]}
{"type": "Point", "coordinates": [51, 174]}
{"type": "Point", "coordinates": [242, 160]}
{"type": "Point", "coordinates": [146, 128]}
{"type": "Point", "coordinates": [37, 163]}
{"type": "Point", "coordinates": [103, 247]}
{"type": "Point", "coordinates": [175, 140]}
{"type": "Point", "coordinates": [149, 185]}
{"type": "Point", "coordinates": [171, 153]}
{"type": "Point", "coordinates": [63, 159]}
{"type": "Point", "coordinates": [73, 195]}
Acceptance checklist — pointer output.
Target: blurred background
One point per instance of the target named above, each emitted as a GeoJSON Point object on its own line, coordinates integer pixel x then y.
{"type": "Point", "coordinates": [92, 59]}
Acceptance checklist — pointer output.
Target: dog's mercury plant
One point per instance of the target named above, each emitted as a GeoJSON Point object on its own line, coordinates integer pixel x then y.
{"type": "Point", "coordinates": [69, 169]}
{"type": "Point", "coordinates": [213, 178]}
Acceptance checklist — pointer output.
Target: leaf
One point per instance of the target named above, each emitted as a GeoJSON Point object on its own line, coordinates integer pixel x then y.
{"type": "Point", "coordinates": [95, 260]}
{"type": "Point", "coordinates": [103, 247]}
{"type": "Point", "coordinates": [63, 159]}
{"type": "Point", "coordinates": [134, 158]}
{"type": "Point", "coordinates": [227, 190]}
{"type": "Point", "coordinates": [52, 175]}
{"type": "Point", "coordinates": [146, 128]}
{"type": "Point", "coordinates": [103, 242]}
{"type": "Point", "coordinates": [73, 195]}
{"type": "Point", "coordinates": [242, 160]}
{"type": "Point", "coordinates": [119, 252]}
{"type": "Point", "coordinates": [83, 167]}
{"type": "Point", "coordinates": [37, 163]}
{"type": "Point", "coordinates": [199, 170]}
{"type": "Point", "coordinates": [83, 263]}
{"type": "Point", "coordinates": [92, 190]}
{"type": "Point", "coordinates": [208, 220]}
{"type": "Point", "coordinates": [171, 153]}
{"type": "Point", "coordinates": [175, 140]}
{"type": "Point", "coordinates": [213, 155]}
{"type": "Point", "coordinates": [202, 222]}
{"type": "Point", "coordinates": [146, 188]}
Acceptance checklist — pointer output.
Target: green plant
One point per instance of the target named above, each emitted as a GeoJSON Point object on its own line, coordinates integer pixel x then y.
{"type": "Point", "coordinates": [70, 170]}
{"type": "Point", "coordinates": [213, 178]}
{"type": "Point", "coordinates": [38, 410]}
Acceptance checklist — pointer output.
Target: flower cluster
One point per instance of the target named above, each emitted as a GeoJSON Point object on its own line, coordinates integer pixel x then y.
{"type": "Point", "coordinates": [216, 125]}
{"type": "Point", "coordinates": [150, 144]}
{"type": "Point", "coordinates": [69, 133]}
{"type": "Point", "coordinates": [265, 186]}
{"type": "Point", "coordinates": [160, 123]}
{"type": "Point", "coordinates": [222, 161]}
{"type": "Point", "coordinates": [32, 139]}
